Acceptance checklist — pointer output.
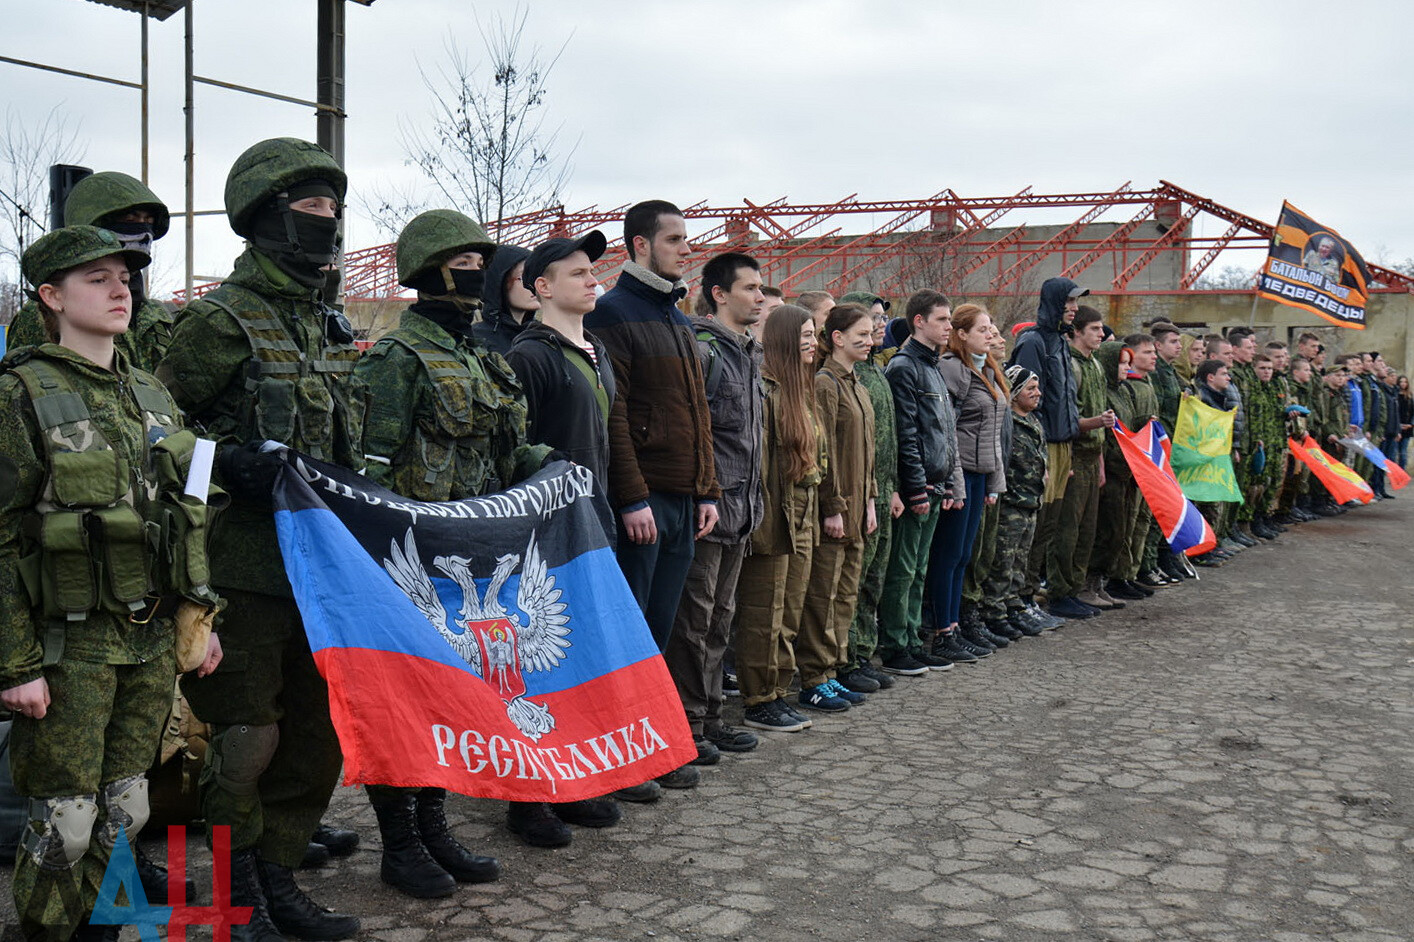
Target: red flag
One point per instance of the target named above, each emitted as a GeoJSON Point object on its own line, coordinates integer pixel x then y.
{"type": "Point", "coordinates": [1147, 454]}
{"type": "Point", "coordinates": [1344, 484]}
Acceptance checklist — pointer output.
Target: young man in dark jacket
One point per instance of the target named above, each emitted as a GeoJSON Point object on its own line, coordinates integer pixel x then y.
{"type": "Point", "coordinates": [930, 478]}
{"type": "Point", "coordinates": [662, 476]}
{"type": "Point", "coordinates": [1043, 350]}
{"type": "Point", "coordinates": [564, 369]}
{"type": "Point", "coordinates": [507, 307]}
{"type": "Point", "coordinates": [731, 293]}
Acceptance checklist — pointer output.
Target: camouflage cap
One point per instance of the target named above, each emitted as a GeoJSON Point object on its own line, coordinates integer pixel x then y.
{"type": "Point", "coordinates": [435, 236]}
{"type": "Point", "coordinates": [56, 252]}
{"type": "Point", "coordinates": [272, 167]}
{"type": "Point", "coordinates": [109, 193]}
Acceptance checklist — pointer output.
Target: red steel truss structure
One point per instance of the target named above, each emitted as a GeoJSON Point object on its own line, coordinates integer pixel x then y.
{"type": "Point", "coordinates": [802, 246]}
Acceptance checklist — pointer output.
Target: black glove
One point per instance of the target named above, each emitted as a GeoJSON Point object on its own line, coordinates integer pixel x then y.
{"type": "Point", "coordinates": [248, 473]}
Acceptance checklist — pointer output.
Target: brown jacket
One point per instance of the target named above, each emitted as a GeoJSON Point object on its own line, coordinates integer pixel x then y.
{"type": "Point", "coordinates": [787, 503]}
{"type": "Point", "coordinates": [660, 431]}
{"type": "Point", "coordinates": [848, 419]}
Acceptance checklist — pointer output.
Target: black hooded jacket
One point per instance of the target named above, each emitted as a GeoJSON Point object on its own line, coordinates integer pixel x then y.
{"type": "Point", "coordinates": [563, 408]}
{"type": "Point", "coordinates": [498, 329]}
{"type": "Point", "coordinates": [1043, 350]}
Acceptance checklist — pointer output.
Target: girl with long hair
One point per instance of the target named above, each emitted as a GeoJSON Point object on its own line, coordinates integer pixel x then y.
{"type": "Point", "coordinates": [1406, 419]}
{"type": "Point", "coordinates": [771, 589]}
{"type": "Point", "coordinates": [981, 400]}
{"type": "Point", "coordinates": [847, 513]}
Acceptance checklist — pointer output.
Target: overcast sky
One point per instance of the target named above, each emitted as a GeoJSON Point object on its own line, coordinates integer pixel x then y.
{"type": "Point", "coordinates": [1244, 102]}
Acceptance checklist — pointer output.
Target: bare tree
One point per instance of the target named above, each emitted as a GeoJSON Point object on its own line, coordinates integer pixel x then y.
{"type": "Point", "coordinates": [1228, 278]}
{"type": "Point", "coordinates": [486, 148]}
{"type": "Point", "coordinates": [26, 151]}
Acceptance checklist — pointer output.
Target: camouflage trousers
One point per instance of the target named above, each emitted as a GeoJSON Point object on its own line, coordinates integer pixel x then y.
{"type": "Point", "coordinates": [864, 630]}
{"type": "Point", "coordinates": [984, 550]}
{"type": "Point", "coordinates": [1005, 582]}
{"type": "Point", "coordinates": [1261, 490]}
{"type": "Point", "coordinates": [104, 724]}
{"type": "Point", "coordinates": [268, 678]}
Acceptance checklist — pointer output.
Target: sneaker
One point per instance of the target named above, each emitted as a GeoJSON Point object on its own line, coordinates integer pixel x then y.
{"type": "Point", "coordinates": [685, 776]}
{"type": "Point", "coordinates": [1023, 621]}
{"type": "Point", "coordinates": [1121, 589]}
{"type": "Point", "coordinates": [1207, 561]}
{"type": "Point", "coordinates": [589, 813]}
{"type": "Point", "coordinates": [822, 698]}
{"type": "Point", "coordinates": [947, 647]}
{"type": "Point", "coordinates": [932, 661]}
{"type": "Point", "coordinates": [730, 687]}
{"type": "Point", "coordinates": [873, 673]}
{"type": "Point", "coordinates": [1049, 621]}
{"type": "Point", "coordinates": [795, 714]}
{"type": "Point", "coordinates": [1153, 579]}
{"type": "Point", "coordinates": [707, 752]}
{"type": "Point", "coordinates": [649, 791]}
{"type": "Point", "coordinates": [991, 637]}
{"type": "Point", "coordinates": [1004, 628]}
{"type": "Point", "coordinates": [1070, 607]}
{"type": "Point", "coordinates": [730, 739]}
{"type": "Point", "coordinates": [1142, 589]}
{"type": "Point", "coordinates": [771, 717]}
{"type": "Point", "coordinates": [971, 645]}
{"type": "Point", "coordinates": [905, 665]}
{"type": "Point", "coordinates": [857, 681]}
{"type": "Point", "coordinates": [853, 698]}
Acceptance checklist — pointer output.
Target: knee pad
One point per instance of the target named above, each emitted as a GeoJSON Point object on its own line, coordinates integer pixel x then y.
{"type": "Point", "coordinates": [60, 830]}
{"type": "Point", "coordinates": [126, 803]}
{"type": "Point", "coordinates": [239, 754]}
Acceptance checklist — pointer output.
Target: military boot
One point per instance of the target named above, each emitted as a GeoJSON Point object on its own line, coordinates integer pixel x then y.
{"type": "Point", "coordinates": [407, 865]}
{"type": "Point", "coordinates": [154, 879]}
{"type": "Point", "coordinates": [247, 891]}
{"type": "Point", "coordinates": [294, 913]}
{"type": "Point", "coordinates": [451, 856]}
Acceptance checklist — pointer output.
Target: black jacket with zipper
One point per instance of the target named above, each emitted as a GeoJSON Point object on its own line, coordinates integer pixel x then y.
{"type": "Point", "coordinates": [563, 408]}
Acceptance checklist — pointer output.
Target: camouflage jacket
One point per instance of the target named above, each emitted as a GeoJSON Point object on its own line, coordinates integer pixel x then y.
{"type": "Point", "coordinates": [885, 433]}
{"type": "Point", "coordinates": [250, 361]}
{"type": "Point", "coordinates": [102, 637]}
{"type": "Point", "coordinates": [144, 344]}
{"type": "Point", "coordinates": [1026, 466]}
{"type": "Point", "coordinates": [1168, 388]}
{"type": "Point", "coordinates": [446, 417]}
{"type": "Point", "coordinates": [1266, 417]}
{"type": "Point", "coordinates": [1090, 393]}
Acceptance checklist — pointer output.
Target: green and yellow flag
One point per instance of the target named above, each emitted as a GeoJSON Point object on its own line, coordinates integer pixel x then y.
{"type": "Point", "coordinates": [1202, 452]}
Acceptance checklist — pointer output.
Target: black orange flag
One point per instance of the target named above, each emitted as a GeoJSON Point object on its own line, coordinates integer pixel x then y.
{"type": "Point", "coordinates": [1311, 267]}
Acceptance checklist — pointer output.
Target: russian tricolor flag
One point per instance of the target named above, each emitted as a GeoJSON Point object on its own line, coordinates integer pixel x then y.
{"type": "Point", "coordinates": [1148, 453]}
{"type": "Point", "coordinates": [489, 646]}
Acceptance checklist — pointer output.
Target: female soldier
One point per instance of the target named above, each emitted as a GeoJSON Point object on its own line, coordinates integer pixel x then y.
{"type": "Point", "coordinates": [771, 592]}
{"type": "Point", "coordinates": [847, 494]}
{"type": "Point", "coordinates": [92, 458]}
{"type": "Point", "coordinates": [447, 421]}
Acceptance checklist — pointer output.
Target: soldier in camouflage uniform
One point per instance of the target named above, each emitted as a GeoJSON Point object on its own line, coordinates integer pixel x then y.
{"type": "Point", "coordinates": [263, 357]}
{"type": "Point", "coordinates": [1016, 521]}
{"type": "Point", "coordinates": [121, 204]}
{"type": "Point", "coordinates": [446, 421]}
{"type": "Point", "coordinates": [1266, 424]}
{"type": "Point", "coordinates": [92, 457]}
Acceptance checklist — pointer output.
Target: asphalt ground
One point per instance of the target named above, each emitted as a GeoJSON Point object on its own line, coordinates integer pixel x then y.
{"type": "Point", "coordinates": [1230, 760]}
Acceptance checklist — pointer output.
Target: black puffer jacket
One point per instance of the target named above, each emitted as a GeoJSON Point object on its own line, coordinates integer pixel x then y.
{"type": "Point", "coordinates": [498, 327]}
{"type": "Point", "coordinates": [926, 424]}
{"type": "Point", "coordinates": [1043, 350]}
{"type": "Point", "coordinates": [563, 408]}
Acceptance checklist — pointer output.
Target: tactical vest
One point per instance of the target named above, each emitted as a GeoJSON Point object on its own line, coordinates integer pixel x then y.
{"type": "Point", "coordinates": [105, 536]}
{"type": "Point", "coordinates": [479, 417]}
{"type": "Point", "coordinates": [314, 406]}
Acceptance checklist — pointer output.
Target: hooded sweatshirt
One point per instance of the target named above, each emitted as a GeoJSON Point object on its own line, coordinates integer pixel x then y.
{"type": "Point", "coordinates": [1043, 350]}
{"type": "Point", "coordinates": [498, 328]}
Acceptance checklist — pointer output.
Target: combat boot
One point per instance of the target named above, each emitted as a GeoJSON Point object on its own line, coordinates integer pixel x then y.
{"type": "Point", "coordinates": [246, 891]}
{"type": "Point", "coordinates": [294, 913]}
{"type": "Point", "coordinates": [451, 856]}
{"type": "Point", "coordinates": [1090, 594]}
{"type": "Point", "coordinates": [407, 865]}
{"type": "Point", "coordinates": [154, 879]}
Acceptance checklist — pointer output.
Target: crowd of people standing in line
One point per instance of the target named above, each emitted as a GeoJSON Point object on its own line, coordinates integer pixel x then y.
{"type": "Point", "coordinates": [813, 499]}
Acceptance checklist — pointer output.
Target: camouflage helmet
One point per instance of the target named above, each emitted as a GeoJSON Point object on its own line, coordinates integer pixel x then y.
{"type": "Point", "coordinates": [56, 252]}
{"type": "Point", "coordinates": [271, 167]}
{"type": "Point", "coordinates": [110, 193]}
{"type": "Point", "coordinates": [435, 236]}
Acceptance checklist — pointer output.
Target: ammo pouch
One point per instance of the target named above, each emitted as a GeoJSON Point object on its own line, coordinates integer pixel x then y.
{"type": "Point", "coordinates": [182, 523]}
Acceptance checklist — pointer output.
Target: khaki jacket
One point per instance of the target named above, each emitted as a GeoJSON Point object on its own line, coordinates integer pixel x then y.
{"type": "Point", "coordinates": [847, 416]}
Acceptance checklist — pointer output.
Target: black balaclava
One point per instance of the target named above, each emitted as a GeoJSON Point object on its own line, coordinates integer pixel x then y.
{"type": "Point", "coordinates": [301, 244]}
{"type": "Point", "coordinates": [449, 297]}
{"type": "Point", "coordinates": [139, 236]}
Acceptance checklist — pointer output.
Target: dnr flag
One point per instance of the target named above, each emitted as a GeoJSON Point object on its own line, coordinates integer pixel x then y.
{"type": "Point", "coordinates": [1147, 454]}
{"type": "Point", "coordinates": [1202, 452]}
{"type": "Point", "coordinates": [488, 646]}
{"type": "Point", "coordinates": [1313, 268]}
{"type": "Point", "coordinates": [1343, 483]}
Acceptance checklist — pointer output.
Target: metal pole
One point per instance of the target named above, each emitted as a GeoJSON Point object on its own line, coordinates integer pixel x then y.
{"type": "Point", "coordinates": [144, 92]}
{"type": "Point", "coordinates": [329, 78]}
{"type": "Point", "coordinates": [189, 109]}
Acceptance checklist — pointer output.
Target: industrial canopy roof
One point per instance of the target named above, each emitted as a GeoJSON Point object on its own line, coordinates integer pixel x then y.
{"type": "Point", "coordinates": [161, 9]}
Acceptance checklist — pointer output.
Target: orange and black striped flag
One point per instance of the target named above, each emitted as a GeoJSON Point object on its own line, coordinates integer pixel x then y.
{"type": "Point", "coordinates": [1311, 267]}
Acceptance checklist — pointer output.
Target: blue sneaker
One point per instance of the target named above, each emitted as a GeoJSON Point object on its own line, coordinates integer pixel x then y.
{"type": "Point", "coordinates": [844, 693]}
{"type": "Point", "coordinates": [822, 697]}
